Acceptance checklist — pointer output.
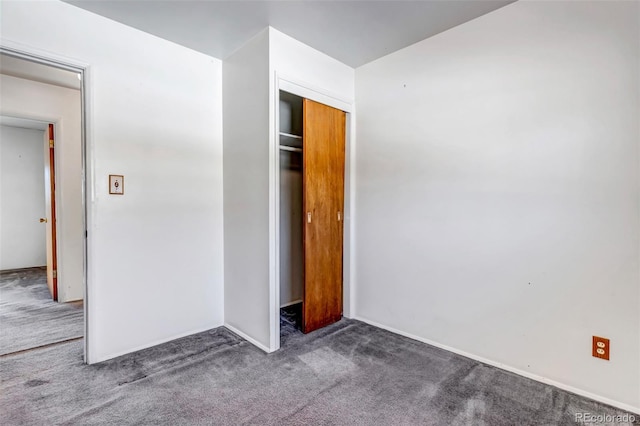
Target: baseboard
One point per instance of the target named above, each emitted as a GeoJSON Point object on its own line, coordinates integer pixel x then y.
{"type": "Point", "coordinates": [90, 359]}
{"type": "Point", "coordinates": [290, 303]}
{"type": "Point", "coordinates": [8, 271]}
{"type": "Point", "coordinates": [541, 379]}
{"type": "Point", "coordinates": [249, 339]}
{"type": "Point", "coordinates": [70, 300]}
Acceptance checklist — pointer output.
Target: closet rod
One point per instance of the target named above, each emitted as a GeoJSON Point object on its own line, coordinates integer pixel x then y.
{"type": "Point", "coordinates": [289, 135]}
{"type": "Point", "coordinates": [290, 148]}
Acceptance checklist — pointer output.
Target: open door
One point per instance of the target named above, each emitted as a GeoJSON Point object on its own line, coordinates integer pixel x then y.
{"type": "Point", "coordinates": [323, 201]}
{"type": "Point", "coordinates": [50, 206]}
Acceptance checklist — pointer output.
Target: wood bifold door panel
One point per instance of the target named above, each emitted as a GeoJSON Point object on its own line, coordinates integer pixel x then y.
{"type": "Point", "coordinates": [323, 206]}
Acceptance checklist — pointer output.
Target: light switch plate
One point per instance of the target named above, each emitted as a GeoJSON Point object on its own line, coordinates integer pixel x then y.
{"type": "Point", "coordinates": [116, 184]}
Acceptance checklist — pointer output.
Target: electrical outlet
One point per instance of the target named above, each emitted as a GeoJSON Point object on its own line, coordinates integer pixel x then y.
{"type": "Point", "coordinates": [600, 348]}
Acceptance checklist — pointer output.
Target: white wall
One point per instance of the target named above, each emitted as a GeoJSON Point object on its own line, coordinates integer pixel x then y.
{"type": "Point", "coordinates": [291, 238]}
{"type": "Point", "coordinates": [30, 99]}
{"type": "Point", "coordinates": [154, 116]}
{"type": "Point", "coordinates": [497, 190]}
{"type": "Point", "coordinates": [22, 236]}
{"type": "Point", "coordinates": [246, 190]}
{"type": "Point", "coordinates": [295, 60]}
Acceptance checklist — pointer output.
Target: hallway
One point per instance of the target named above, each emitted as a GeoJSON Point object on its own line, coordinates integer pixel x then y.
{"type": "Point", "coordinates": [29, 317]}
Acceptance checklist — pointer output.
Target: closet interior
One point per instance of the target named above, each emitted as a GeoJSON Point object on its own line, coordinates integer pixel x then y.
{"type": "Point", "coordinates": [312, 158]}
{"type": "Point", "coordinates": [291, 225]}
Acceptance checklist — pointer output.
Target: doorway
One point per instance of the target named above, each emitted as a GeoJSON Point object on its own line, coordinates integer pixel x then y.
{"type": "Point", "coordinates": [312, 205]}
{"type": "Point", "coordinates": [44, 293]}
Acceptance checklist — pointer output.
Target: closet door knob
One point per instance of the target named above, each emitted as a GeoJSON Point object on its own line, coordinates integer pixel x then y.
{"type": "Point", "coordinates": [339, 216]}
{"type": "Point", "coordinates": [43, 220]}
{"type": "Point", "coordinates": [308, 217]}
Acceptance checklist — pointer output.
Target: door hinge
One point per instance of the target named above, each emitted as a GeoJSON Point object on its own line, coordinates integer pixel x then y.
{"type": "Point", "coordinates": [50, 143]}
{"type": "Point", "coordinates": [55, 274]}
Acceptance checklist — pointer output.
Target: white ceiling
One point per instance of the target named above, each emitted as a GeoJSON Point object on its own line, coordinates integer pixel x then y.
{"type": "Point", "coordinates": [353, 32]}
{"type": "Point", "coordinates": [37, 72]}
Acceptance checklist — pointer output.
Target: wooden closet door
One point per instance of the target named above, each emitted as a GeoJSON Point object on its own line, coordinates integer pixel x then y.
{"type": "Point", "coordinates": [323, 200]}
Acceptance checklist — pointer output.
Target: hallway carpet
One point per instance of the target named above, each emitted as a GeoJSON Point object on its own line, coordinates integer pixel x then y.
{"type": "Point", "coordinates": [349, 373]}
{"type": "Point", "coordinates": [29, 317]}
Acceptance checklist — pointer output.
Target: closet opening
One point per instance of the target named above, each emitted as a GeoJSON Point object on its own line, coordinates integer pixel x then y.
{"type": "Point", "coordinates": [312, 140]}
{"type": "Point", "coordinates": [291, 224]}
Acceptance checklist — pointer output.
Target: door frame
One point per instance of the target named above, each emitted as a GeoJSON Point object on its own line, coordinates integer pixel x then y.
{"type": "Point", "coordinates": [20, 51]}
{"type": "Point", "coordinates": [308, 91]}
{"type": "Point", "coordinates": [50, 213]}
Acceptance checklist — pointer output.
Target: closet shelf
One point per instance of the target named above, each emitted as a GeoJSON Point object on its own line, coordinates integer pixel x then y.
{"type": "Point", "coordinates": [290, 148]}
{"type": "Point", "coordinates": [289, 135]}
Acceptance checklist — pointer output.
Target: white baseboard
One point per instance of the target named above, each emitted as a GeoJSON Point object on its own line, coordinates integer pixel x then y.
{"type": "Point", "coordinates": [96, 360]}
{"type": "Point", "coordinates": [284, 305]}
{"type": "Point", "coordinates": [251, 340]}
{"type": "Point", "coordinates": [542, 379]}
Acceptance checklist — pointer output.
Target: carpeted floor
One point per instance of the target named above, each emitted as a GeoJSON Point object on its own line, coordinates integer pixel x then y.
{"type": "Point", "coordinates": [29, 317]}
{"type": "Point", "coordinates": [349, 373]}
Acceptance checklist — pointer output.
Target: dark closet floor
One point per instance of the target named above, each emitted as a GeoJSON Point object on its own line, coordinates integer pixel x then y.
{"type": "Point", "coordinates": [348, 373]}
{"type": "Point", "coordinates": [28, 315]}
{"type": "Point", "coordinates": [290, 323]}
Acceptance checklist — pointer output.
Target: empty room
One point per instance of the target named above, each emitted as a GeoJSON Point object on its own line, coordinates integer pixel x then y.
{"type": "Point", "coordinates": [320, 212]}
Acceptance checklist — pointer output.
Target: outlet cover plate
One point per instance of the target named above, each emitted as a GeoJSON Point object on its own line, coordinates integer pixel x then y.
{"type": "Point", "coordinates": [600, 348]}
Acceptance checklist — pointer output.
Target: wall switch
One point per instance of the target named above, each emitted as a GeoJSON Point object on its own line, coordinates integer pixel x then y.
{"type": "Point", "coordinates": [116, 184]}
{"type": "Point", "coordinates": [600, 348]}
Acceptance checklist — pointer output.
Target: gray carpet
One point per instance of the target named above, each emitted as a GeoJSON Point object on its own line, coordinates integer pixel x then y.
{"type": "Point", "coordinates": [28, 315]}
{"type": "Point", "coordinates": [349, 373]}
